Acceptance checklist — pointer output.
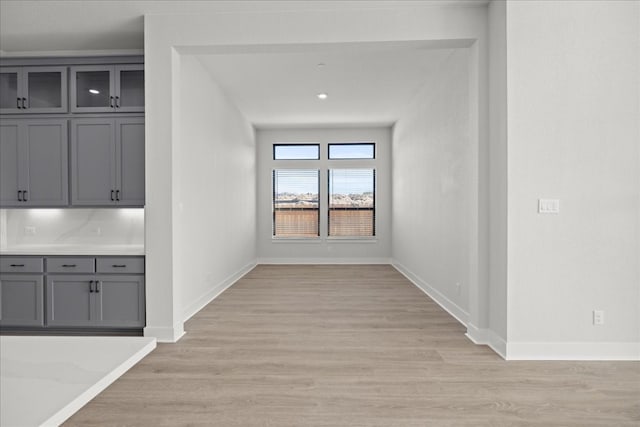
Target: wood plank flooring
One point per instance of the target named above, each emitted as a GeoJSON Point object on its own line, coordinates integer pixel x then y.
{"type": "Point", "coordinates": [351, 346]}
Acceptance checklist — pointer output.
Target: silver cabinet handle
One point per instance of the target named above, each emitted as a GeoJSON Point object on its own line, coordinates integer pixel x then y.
{"type": "Point", "coordinates": [23, 101]}
{"type": "Point", "coordinates": [98, 283]}
{"type": "Point", "coordinates": [24, 196]}
{"type": "Point", "coordinates": [69, 265]}
{"type": "Point", "coordinates": [90, 286]}
{"type": "Point", "coordinates": [117, 102]}
{"type": "Point", "coordinates": [20, 195]}
{"type": "Point", "coordinates": [112, 199]}
{"type": "Point", "coordinates": [119, 265]}
{"type": "Point", "coordinates": [111, 101]}
{"type": "Point", "coordinates": [117, 195]}
{"type": "Point", "coordinates": [18, 103]}
{"type": "Point", "coordinates": [16, 265]}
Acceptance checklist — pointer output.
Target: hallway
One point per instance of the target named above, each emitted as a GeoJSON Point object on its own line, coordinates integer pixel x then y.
{"type": "Point", "coordinates": [350, 345]}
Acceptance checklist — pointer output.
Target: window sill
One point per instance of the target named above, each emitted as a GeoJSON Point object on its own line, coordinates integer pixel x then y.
{"type": "Point", "coordinates": [318, 240]}
{"type": "Point", "coordinates": [352, 239]}
{"type": "Point", "coordinates": [312, 240]}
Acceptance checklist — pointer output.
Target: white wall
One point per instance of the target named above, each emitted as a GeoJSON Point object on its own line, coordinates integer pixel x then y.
{"type": "Point", "coordinates": [166, 34]}
{"type": "Point", "coordinates": [573, 80]}
{"type": "Point", "coordinates": [496, 331]}
{"type": "Point", "coordinates": [216, 224]}
{"type": "Point", "coordinates": [433, 186]}
{"type": "Point", "coordinates": [325, 250]}
{"type": "Point", "coordinates": [28, 228]}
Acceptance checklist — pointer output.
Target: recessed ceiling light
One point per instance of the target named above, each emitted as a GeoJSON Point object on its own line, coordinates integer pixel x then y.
{"type": "Point", "coordinates": [94, 91]}
{"type": "Point", "coordinates": [322, 95]}
{"type": "Point", "coordinates": [321, 64]}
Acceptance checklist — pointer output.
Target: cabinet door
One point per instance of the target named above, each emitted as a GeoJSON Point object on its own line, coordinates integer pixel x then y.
{"type": "Point", "coordinates": [45, 89]}
{"type": "Point", "coordinates": [130, 164]}
{"type": "Point", "coordinates": [120, 301]}
{"type": "Point", "coordinates": [21, 297]}
{"type": "Point", "coordinates": [47, 163]}
{"type": "Point", "coordinates": [93, 158]}
{"type": "Point", "coordinates": [70, 300]}
{"type": "Point", "coordinates": [129, 87]}
{"type": "Point", "coordinates": [12, 164]}
{"type": "Point", "coordinates": [92, 89]}
{"type": "Point", "coordinates": [10, 90]}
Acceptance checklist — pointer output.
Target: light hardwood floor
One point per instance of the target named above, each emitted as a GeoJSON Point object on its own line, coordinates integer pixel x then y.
{"type": "Point", "coordinates": [351, 346]}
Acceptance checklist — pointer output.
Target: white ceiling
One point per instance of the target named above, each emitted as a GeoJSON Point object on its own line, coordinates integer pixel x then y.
{"type": "Point", "coordinates": [365, 85]}
{"type": "Point", "coordinates": [84, 25]}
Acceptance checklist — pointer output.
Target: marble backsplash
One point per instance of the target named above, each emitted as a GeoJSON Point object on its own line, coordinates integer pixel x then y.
{"type": "Point", "coordinates": [65, 227]}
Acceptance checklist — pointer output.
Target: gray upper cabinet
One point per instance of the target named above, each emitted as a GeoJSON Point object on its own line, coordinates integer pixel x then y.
{"type": "Point", "coordinates": [33, 163]}
{"type": "Point", "coordinates": [47, 162]}
{"type": "Point", "coordinates": [10, 90]}
{"type": "Point", "coordinates": [107, 88]}
{"type": "Point", "coordinates": [10, 156]}
{"type": "Point", "coordinates": [21, 300]}
{"type": "Point", "coordinates": [130, 164]}
{"type": "Point", "coordinates": [129, 88]}
{"type": "Point", "coordinates": [26, 90]}
{"type": "Point", "coordinates": [107, 162]}
{"type": "Point", "coordinates": [93, 158]}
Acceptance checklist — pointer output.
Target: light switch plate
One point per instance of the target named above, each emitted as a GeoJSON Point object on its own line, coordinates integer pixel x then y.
{"type": "Point", "coordinates": [546, 206]}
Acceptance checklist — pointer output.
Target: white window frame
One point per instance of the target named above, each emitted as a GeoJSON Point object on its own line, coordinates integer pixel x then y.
{"type": "Point", "coordinates": [323, 165]}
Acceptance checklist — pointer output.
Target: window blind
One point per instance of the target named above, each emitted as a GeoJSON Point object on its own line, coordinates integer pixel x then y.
{"type": "Point", "coordinates": [352, 195]}
{"type": "Point", "coordinates": [295, 203]}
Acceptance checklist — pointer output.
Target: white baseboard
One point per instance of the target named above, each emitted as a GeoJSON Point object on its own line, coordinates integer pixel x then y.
{"type": "Point", "coordinates": [213, 293]}
{"type": "Point", "coordinates": [450, 307]}
{"type": "Point", "coordinates": [487, 337]}
{"type": "Point", "coordinates": [573, 351]}
{"type": "Point", "coordinates": [165, 334]}
{"type": "Point", "coordinates": [324, 260]}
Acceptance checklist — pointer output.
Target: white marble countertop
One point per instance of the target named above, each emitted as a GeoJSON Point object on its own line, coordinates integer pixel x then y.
{"type": "Point", "coordinates": [45, 380]}
{"type": "Point", "coordinates": [73, 250]}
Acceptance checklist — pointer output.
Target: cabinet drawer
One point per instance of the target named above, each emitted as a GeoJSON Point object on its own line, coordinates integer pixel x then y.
{"type": "Point", "coordinates": [21, 265]}
{"type": "Point", "coordinates": [70, 265]}
{"type": "Point", "coordinates": [127, 265]}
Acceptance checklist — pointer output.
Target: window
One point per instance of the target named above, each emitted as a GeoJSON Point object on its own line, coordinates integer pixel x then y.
{"type": "Point", "coordinates": [361, 150]}
{"type": "Point", "coordinates": [296, 152]}
{"type": "Point", "coordinates": [352, 202]}
{"type": "Point", "coordinates": [295, 203]}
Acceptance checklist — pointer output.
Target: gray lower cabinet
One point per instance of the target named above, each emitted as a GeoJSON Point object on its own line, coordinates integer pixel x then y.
{"type": "Point", "coordinates": [103, 301]}
{"type": "Point", "coordinates": [21, 300]}
{"type": "Point", "coordinates": [33, 163]}
{"type": "Point", "coordinates": [78, 292]}
{"type": "Point", "coordinates": [107, 162]}
{"type": "Point", "coordinates": [70, 300]}
{"type": "Point", "coordinates": [119, 301]}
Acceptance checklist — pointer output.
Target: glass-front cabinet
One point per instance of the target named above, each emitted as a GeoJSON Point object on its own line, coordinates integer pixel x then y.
{"type": "Point", "coordinates": [107, 88]}
{"type": "Point", "coordinates": [26, 90]}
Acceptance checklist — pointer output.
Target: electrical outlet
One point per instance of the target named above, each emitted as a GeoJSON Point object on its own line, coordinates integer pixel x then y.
{"type": "Point", "coordinates": [598, 317]}
{"type": "Point", "coordinates": [29, 230]}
